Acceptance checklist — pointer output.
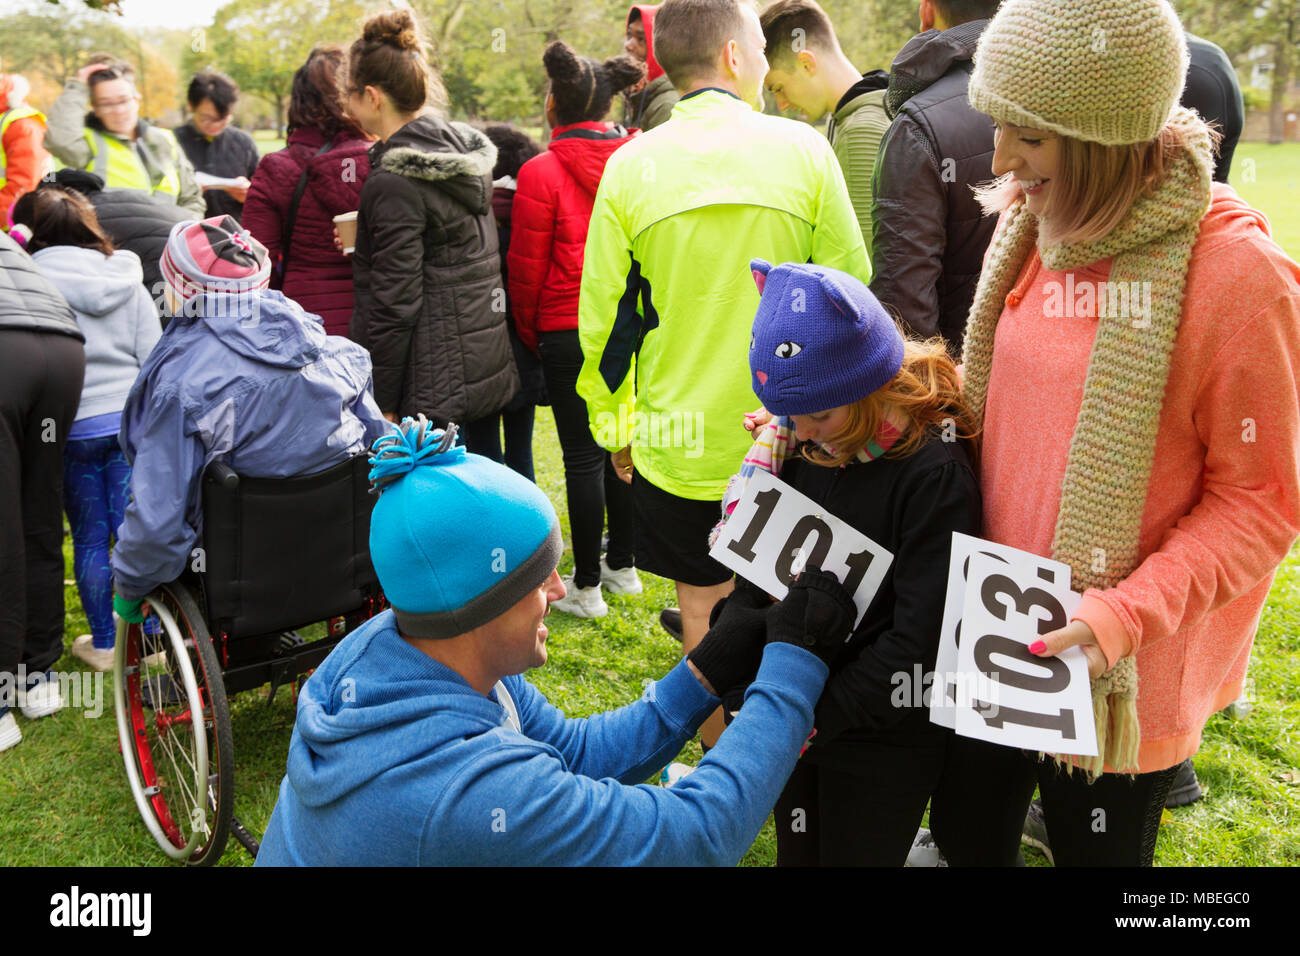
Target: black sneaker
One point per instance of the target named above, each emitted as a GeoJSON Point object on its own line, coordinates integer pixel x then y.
{"type": "Point", "coordinates": [1035, 830]}
{"type": "Point", "coordinates": [1186, 789]}
{"type": "Point", "coordinates": [671, 619]}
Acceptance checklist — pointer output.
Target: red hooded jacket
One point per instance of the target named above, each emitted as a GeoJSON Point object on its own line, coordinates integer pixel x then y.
{"type": "Point", "coordinates": [320, 277]}
{"type": "Point", "coordinates": [552, 210]}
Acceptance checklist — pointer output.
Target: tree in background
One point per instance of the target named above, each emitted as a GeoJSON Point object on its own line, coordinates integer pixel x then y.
{"type": "Point", "coordinates": [49, 45]}
{"type": "Point", "coordinates": [261, 43]}
{"type": "Point", "coordinates": [1247, 28]}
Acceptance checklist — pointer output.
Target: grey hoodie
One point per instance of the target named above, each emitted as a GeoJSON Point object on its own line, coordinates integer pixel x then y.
{"type": "Point", "coordinates": [114, 313]}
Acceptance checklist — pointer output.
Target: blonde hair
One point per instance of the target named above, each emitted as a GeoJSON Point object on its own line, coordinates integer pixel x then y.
{"type": "Point", "coordinates": [926, 390]}
{"type": "Point", "coordinates": [1096, 186]}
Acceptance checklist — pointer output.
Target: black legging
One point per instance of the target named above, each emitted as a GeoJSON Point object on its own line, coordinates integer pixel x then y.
{"type": "Point", "coordinates": [41, 375]}
{"type": "Point", "coordinates": [827, 816]}
{"type": "Point", "coordinates": [590, 483]}
{"type": "Point", "coordinates": [978, 811]}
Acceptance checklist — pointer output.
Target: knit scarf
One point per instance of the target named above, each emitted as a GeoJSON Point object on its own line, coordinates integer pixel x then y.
{"type": "Point", "coordinates": [1104, 491]}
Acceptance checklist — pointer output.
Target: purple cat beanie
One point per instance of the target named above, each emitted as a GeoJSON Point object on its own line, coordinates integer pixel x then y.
{"type": "Point", "coordinates": [820, 339]}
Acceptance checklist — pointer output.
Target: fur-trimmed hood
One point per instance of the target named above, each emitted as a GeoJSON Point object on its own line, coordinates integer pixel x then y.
{"type": "Point", "coordinates": [456, 158]}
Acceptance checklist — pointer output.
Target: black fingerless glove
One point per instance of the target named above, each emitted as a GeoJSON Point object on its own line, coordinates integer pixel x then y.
{"type": "Point", "coordinates": [817, 615]}
{"type": "Point", "coordinates": [730, 653]}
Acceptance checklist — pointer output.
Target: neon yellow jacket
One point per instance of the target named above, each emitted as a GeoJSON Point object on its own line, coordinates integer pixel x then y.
{"type": "Point", "coordinates": [667, 297]}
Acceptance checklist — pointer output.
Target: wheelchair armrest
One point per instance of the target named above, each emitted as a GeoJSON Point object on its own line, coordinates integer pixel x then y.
{"type": "Point", "coordinates": [223, 475]}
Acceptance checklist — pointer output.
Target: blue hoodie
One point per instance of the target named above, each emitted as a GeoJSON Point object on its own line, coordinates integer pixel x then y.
{"type": "Point", "coordinates": [252, 380]}
{"type": "Point", "coordinates": [396, 761]}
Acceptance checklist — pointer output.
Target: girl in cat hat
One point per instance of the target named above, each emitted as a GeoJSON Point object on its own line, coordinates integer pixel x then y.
{"type": "Point", "coordinates": [873, 427]}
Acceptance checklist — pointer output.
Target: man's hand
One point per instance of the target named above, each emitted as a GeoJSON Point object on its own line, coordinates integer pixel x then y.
{"type": "Point", "coordinates": [83, 74]}
{"type": "Point", "coordinates": [1076, 633]}
{"type": "Point", "coordinates": [732, 650]}
{"type": "Point", "coordinates": [623, 464]}
{"type": "Point", "coordinates": [390, 416]}
{"type": "Point", "coordinates": [239, 192]}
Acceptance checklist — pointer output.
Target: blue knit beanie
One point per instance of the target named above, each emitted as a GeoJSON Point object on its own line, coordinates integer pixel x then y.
{"type": "Point", "coordinates": [820, 340]}
{"type": "Point", "coordinates": [456, 539]}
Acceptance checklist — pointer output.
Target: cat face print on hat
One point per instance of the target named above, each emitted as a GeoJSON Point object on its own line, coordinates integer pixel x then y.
{"type": "Point", "coordinates": [820, 339]}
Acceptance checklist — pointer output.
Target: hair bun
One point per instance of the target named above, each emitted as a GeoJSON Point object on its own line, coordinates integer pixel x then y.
{"type": "Point", "coordinates": [396, 29]}
{"type": "Point", "coordinates": [562, 63]}
{"type": "Point", "coordinates": [623, 71]}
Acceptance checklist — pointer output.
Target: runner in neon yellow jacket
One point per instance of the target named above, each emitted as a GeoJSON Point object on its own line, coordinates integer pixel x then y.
{"type": "Point", "coordinates": [667, 298]}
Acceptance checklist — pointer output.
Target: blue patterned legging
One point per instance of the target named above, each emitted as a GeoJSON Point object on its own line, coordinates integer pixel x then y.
{"type": "Point", "coordinates": [96, 483]}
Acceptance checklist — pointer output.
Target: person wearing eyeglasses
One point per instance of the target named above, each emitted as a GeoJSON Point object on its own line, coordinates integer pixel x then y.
{"type": "Point", "coordinates": [214, 146]}
{"type": "Point", "coordinates": [95, 124]}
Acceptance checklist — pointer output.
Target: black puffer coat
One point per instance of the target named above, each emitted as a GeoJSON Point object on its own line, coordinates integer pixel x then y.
{"type": "Point", "coordinates": [428, 299]}
{"type": "Point", "coordinates": [929, 233]}
{"type": "Point", "coordinates": [28, 300]}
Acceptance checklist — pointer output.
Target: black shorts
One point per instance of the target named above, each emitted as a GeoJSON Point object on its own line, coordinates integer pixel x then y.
{"type": "Point", "coordinates": [672, 535]}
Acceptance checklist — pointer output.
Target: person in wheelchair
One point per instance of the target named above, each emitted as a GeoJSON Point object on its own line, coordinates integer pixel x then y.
{"type": "Point", "coordinates": [419, 742]}
{"type": "Point", "coordinates": [242, 375]}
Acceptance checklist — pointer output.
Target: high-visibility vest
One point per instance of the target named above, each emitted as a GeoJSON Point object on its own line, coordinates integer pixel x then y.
{"type": "Point", "coordinates": [121, 165]}
{"type": "Point", "coordinates": [17, 113]}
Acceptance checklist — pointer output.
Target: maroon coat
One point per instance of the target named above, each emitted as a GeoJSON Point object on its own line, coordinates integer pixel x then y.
{"type": "Point", "coordinates": [552, 210]}
{"type": "Point", "coordinates": [320, 277]}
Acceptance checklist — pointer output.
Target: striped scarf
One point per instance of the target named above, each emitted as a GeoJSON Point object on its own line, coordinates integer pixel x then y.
{"type": "Point", "coordinates": [775, 444]}
{"type": "Point", "coordinates": [1104, 492]}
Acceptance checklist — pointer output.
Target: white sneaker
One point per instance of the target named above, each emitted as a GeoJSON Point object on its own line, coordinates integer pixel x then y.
{"type": "Point", "coordinates": [674, 772]}
{"type": "Point", "coordinates": [581, 602]}
{"type": "Point", "coordinates": [40, 699]}
{"type": "Point", "coordinates": [84, 649]}
{"type": "Point", "coordinates": [10, 735]}
{"type": "Point", "coordinates": [925, 852]}
{"type": "Point", "coordinates": [622, 581]}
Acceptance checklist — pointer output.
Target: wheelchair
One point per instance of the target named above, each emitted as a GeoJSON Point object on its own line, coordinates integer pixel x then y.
{"type": "Point", "coordinates": [277, 554]}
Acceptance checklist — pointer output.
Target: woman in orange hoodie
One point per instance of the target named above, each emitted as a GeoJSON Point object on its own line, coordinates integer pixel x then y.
{"type": "Point", "coordinates": [1133, 351]}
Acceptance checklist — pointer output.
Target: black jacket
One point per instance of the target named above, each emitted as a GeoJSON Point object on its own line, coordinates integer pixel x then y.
{"type": "Point", "coordinates": [910, 506]}
{"type": "Point", "coordinates": [1213, 91]}
{"type": "Point", "coordinates": [231, 154]}
{"type": "Point", "coordinates": [428, 299]}
{"type": "Point", "coordinates": [28, 300]}
{"type": "Point", "coordinates": [134, 220]}
{"type": "Point", "coordinates": [928, 232]}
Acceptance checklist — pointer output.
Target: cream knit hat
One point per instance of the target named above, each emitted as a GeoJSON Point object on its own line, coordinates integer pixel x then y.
{"type": "Point", "coordinates": [1107, 71]}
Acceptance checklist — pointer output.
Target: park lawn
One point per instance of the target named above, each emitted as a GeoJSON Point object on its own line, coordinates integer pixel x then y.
{"type": "Point", "coordinates": [64, 798]}
{"type": "Point", "coordinates": [1268, 177]}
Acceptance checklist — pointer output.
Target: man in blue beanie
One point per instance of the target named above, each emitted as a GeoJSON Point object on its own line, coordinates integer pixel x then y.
{"type": "Point", "coordinates": [417, 741]}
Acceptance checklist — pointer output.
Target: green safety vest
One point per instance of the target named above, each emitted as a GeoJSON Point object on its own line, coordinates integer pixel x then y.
{"type": "Point", "coordinates": [122, 165]}
{"type": "Point", "coordinates": [17, 113]}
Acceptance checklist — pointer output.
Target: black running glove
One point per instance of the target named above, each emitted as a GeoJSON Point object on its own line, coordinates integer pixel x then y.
{"type": "Point", "coordinates": [730, 653]}
{"type": "Point", "coordinates": [817, 615]}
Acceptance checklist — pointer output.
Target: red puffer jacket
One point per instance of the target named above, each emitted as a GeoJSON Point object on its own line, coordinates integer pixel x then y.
{"type": "Point", "coordinates": [551, 212]}
{"type": "Point", "coordinates": [320, 277]}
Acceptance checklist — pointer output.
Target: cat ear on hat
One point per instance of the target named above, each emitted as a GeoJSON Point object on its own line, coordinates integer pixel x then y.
{"type": "Point", "coordinates": [839, 296]}
{"type": "Point", "coordinates": [759, 268]}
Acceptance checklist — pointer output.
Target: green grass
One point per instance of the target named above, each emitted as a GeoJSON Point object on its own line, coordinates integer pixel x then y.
{"type": "Point", "coordinates": [1268, 177]}
{"type": "Point", "coordinates": [64, 798]}
{"type": "Point", "coordinates": [267, 141]}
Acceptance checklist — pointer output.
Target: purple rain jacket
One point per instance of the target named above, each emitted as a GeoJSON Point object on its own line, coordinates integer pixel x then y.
{"type": "Point", "coordinates": [252, 380]}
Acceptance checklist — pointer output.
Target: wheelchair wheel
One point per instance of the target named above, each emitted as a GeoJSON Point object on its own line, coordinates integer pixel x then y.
{"type": "Point", "coordinates": [173, 724]}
